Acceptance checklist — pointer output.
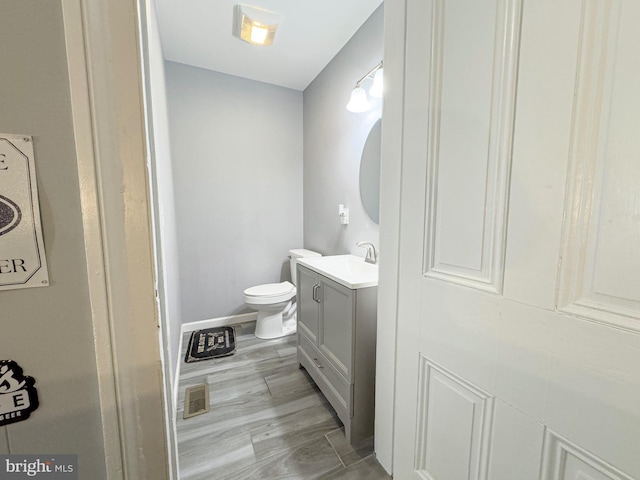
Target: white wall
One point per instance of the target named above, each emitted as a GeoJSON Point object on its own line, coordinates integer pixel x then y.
{"type": "Point", "coordinates": [390, 191]}
{"type": "Point", "coordinates": [164, 218]}
{"type": "Point", "coordinates": [237, 162]}
{"type": "Point", "coordinates": [49, 330]}
{"type": "Point", "coordinates": [333, 142]}
{"type": "Point", "coordinates": [164, 198]}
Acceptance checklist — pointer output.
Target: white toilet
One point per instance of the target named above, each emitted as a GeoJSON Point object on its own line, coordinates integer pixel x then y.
{"type": "Point", "coordinates": [274, 302]}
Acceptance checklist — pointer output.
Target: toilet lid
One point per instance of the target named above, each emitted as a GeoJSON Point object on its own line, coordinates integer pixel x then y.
{"type": "Point", "coordinates": [269, 289]}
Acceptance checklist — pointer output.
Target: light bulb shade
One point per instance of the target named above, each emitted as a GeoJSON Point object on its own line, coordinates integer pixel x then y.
{"type": "Point", "coordinates": [255, 25]}
{"type": "Point", "coordinates": [376, 88]}
{"type": "Point", "coordinates": [358, 102]}
{"type": "Point", "coordinates": [258, 34]}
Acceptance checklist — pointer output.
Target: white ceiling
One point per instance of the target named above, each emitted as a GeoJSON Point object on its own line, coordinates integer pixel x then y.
{"type": "Point", "coordinates": [198, 33]}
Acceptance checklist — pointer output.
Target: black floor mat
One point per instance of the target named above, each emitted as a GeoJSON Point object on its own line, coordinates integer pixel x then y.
{"type": "Point", "coordinates": [211, 343]}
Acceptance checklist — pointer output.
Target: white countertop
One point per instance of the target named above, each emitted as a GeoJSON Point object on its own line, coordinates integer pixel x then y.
{"type": "Point", "coordinates": [348, 270]}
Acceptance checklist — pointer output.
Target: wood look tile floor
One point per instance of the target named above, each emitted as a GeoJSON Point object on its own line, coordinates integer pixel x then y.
{"type": "Point", "coordinates": [267, 420]}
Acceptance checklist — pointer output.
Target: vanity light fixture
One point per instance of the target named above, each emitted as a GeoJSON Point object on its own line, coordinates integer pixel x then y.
{"type": "Point", "coordinates": [376, 88]}
{"type": "Point", "coordinates": [358, 101]}
{"type": "Point", "coordinates": [254, 25]}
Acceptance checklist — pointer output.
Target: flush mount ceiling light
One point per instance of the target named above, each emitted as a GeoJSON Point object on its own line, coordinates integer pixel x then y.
{"type": "Point", "coordinates": [358, 101]}
{"type": "Point", "coordinates": [255, 25]}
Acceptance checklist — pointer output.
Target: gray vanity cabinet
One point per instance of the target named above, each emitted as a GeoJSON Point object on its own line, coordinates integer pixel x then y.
{"type": "Point", "coordinates": [336, 345]}
{"type": "Point", "coordinates": [307, 307]}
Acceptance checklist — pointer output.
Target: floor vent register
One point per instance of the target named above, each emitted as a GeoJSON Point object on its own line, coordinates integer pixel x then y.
{"type": "Point", "coordinates": [196, 401]}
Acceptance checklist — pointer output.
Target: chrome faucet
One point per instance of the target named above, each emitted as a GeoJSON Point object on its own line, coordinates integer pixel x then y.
{"type": "Point", "coordinates": [372, 256]}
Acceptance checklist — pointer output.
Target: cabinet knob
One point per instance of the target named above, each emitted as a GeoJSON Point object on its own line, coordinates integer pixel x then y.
{"type": "Point", "coordinates": [319, 365]}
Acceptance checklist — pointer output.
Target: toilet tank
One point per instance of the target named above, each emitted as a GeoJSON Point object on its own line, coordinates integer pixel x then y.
{"type": "Point", "coordinates": [299, 253]}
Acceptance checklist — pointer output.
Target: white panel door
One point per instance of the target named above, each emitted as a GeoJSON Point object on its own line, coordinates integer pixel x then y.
{"type": "Point", "coordinates": [519, 297]}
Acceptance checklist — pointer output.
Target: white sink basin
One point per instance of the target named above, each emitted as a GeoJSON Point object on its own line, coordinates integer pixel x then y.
{"type": "Point", "coordinates": [348, 270]}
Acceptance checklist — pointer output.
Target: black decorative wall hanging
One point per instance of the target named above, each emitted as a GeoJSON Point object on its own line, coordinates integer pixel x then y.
{"type": "Point", "coordinates": [18, 396]}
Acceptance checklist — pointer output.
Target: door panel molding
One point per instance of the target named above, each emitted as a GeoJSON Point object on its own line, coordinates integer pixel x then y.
{"type": "Point", "coordinates": [545, 368]}
{"type": "Point", "coordinates": [563, 460]}
{"type": "Point", "coordinates": [600, 268]}
{"type": "Point", "coordinates": [471, 254]}
{"type": "Point", "coordinates": [454, 423]}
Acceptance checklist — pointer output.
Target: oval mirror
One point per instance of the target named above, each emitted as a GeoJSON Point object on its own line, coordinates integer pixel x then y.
{"type": "Point", "coordinates": [370, 172]}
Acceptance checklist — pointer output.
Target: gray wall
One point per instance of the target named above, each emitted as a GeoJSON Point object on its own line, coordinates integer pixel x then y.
{"type": "Point", "coordinates": [237, 160]}
{"type": "Point", "coordinates": [333, 142]}
{"type": "Point", "coordinates": [164, 201]}
{"type": "Point", "coordinates": [48, 330]}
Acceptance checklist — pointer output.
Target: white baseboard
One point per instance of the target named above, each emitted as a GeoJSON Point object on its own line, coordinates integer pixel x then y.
{"type": "Point", "coordinates": [218, 322]}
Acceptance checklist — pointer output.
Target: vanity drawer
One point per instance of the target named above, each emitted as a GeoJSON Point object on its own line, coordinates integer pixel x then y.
{"type": "Point", "coordinates": [331, 383]}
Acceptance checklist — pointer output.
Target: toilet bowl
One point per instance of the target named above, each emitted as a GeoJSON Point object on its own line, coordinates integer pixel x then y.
{"type": "Point", "coordinates": [275, 302]}
{"type": "Point", "coordinates": [270, 300]}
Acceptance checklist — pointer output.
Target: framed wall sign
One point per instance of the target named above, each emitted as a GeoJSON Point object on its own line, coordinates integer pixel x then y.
{"type": "Point", "coordinates": [22, 257]}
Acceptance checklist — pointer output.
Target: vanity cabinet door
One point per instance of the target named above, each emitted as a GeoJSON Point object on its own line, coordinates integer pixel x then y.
{"type": "Point", "coordinates": [337, 312]}
{"type": "Point", "coordinates": [337, 347]}
{"type": "Point", "coordinates": [308, 305]}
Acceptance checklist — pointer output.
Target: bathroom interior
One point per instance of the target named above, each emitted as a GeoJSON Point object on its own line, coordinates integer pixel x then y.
{"type": "Point", "coordinates": [521, 322]}
{"type": "Point", "coordinates": [256, 170]}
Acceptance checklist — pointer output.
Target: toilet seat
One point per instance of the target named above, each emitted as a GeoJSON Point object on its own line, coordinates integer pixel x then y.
{"type": "Point", "coordinates": [270, 293]}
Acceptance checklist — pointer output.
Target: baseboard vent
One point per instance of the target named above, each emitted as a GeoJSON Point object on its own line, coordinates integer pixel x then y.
{"type": "Point", "coordinates": [196, 401]}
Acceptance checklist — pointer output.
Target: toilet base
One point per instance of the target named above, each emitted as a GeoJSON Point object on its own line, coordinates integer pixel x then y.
{"type": "Point", "coordinates": [276, 324]}
{"type": "Point", "coordinates": [289, 327]}
{"type": "Point", "coordinates": [270, 326]}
